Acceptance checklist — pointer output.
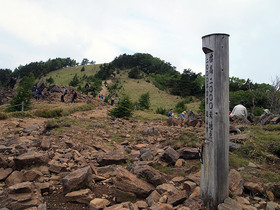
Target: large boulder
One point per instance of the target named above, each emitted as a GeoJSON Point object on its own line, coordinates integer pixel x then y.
{"type": "Point", "coordinates": [110, 159]}
{"type": "Point", "coordinates": [236, 183]}
{"type": "Point", "coordinates": [170, 156]}
{"type": "Point", "coordinates": [30, 159]}
{"type": "Point", "coordinates": [188, 153]}
{"type": "Point", "coordinates": [150, 174]}
{"type": "Point", "coordinates": [54, 89]}
{"type": "Point", "coordinates": [128, 182]}
{"type": "Point", "coordinates": [77, 180]}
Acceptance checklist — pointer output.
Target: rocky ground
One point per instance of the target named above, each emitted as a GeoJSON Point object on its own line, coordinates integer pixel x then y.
{"type": "Point", "coordinates": [89, 160]}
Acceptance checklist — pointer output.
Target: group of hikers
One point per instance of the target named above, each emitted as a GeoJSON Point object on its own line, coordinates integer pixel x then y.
{"type": "Point", "coordinates": [64, 93]}
{"type": "Point", "coordinates": [239, 110]}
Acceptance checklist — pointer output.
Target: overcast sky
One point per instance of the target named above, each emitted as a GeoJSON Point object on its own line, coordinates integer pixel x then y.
{"type": "Point", "coordinates": [100, 30]}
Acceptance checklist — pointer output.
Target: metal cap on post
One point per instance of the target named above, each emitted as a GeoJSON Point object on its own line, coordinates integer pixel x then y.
{"type": "Point", "coordinates": [214, 168]}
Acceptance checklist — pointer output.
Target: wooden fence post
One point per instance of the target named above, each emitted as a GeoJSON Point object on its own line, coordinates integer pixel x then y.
{"type": "Point", "coordinates": [22, 106]}
{"type": "Point", "coordinates": [214, 168]}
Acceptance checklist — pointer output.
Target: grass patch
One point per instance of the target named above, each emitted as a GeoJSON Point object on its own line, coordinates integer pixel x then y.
{"type": "Point", "coordinates": [49, 113]}
{"type": "Point", "coordinates": [237, 161]}
{"type": "Point", "coordinates": [20, 114]}
{"type": "Point", "coordinates": [82, 107]}
{"type": "Point", "coordinates": [272, 176]}
{"type": "Point", "coordinates": [187, 139]}
{"type": "Point", "coordinates": [148, 115]}
{"type": "Point", "coordinates": [162, 168]}
{"type": "Point", "coordinates": [3, 116]}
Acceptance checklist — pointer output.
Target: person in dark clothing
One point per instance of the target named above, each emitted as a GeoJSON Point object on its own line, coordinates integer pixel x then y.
{"type": "Point", "coordinates": [64, 92]}
{"type": "Point", "coordinates": [74, 96]}
{"type": "Point", "coordinates": [38, 94]}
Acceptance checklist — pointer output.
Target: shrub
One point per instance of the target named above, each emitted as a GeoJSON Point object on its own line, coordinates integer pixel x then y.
{"type": "Point", "coordinates": [50, 80]}
{"type": "Point", "coordinates": [258, 111]}
{"type": "Point", "coordinates": [144, 101]}
{"type": "Point", "coordinates": [3, 116]}
{"type": "Point", "coordinates": [180, 106]}
{"type": "Point", "coordinates": [135, 73]}
{"type": "Point", "coordinates": [124, 108]}
{"type": "Point", "coordinates": [162, 111]}
{"type": "Point", "coordinates": [75, 81]}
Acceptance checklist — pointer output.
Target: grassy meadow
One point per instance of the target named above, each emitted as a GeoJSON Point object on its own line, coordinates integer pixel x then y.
{"type": "Point", "coordinates": [134, 88]}
{"type": "Point", "coordinates": [65, 75]}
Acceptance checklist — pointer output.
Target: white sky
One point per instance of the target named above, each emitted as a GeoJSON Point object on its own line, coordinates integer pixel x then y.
{"type": "Point", "coordinates": [100, 30]}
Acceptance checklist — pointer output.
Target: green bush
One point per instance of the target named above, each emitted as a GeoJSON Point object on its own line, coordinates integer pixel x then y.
{"type": "Point", "coordinates": [50, 80]}
{"type": "Point", "coordinates": [75, 81]}
{"type": "Point", "coordinates": [124, 108]}
{"type": "Point", "coordinates": [180, 106]}
{"type": "Point", "coordinates": [3, 116]}
{"type": "Point", "coordinates": [135, 73]}
{"type": "Point", "coordinates": [144, 101]}
{"type": "Point", "coordinates": [258, 111]}
{"type": "Point", "coordinates": [162, 111]}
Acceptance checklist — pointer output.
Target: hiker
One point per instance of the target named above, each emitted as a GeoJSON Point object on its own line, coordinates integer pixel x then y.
{"type": "Point", "coordinates": [239, 110]}
{"type": "Point", "coordinates": [34, 91]}
{"type": "Point", "coordinates": [183, 114]}
{"type": "Point", "coordinates": [113, 100]}
{"type": "Point", "coordinates": [14, 81]}
{"type": "Point", "coordinates": [87, 87]}
{"type": "Point", "coordinates": [64, 92]}
{"type": "Point", "coordinates": [74, 96]}
{"type": "Point", "coordinates": [38, 94]}
{"type": "Point", "coordinates": [171, 113]}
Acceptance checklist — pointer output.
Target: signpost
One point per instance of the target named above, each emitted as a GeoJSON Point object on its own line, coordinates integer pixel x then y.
{"type": "Point", "coordinates": [214, 168]}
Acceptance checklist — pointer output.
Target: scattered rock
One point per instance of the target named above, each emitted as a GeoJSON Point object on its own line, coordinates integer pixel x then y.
{"type": "Point", "coordinates": [77, 179]}
{"type": "Point", "coordinates": [149, 174]}
{"type": "Point", "coordinates": [30, 159]}
{"type": "Point", "coordinates": [229, 204]}
{"type": "Point", "coordinates": [170, 156]}
{"type": "Point", "coordinates": [153, 198]}
{"type": "Point", "coordinates": [188, 153]}
{"type": "Point", "coordinates": [166, 188]}
{"type": "Point", "coordinates": [177, 198]}
{"type": "Point", "coordinates": [272, 206]}
{"type": "Point", "coordinates": [110, 159]}
{"type": "Point", "coordinates": [46, 144]}
{"type": "Point", "coordinates": [4, 173]}
{"type": "Point", "coordinates": [128, 182]}
{"type": "Point", "coordinates": [81, 196]}
{"type": "Point", "coordinates": [98, 203]}
{"type": "Point", "coordinates": [254, 187]}
{"type": "Point", "coordinates": [236, 183]}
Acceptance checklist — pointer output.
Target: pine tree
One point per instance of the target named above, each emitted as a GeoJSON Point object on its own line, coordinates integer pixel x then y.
{"type": "Point", "coordinates": [24, 94]}
{"type": "Point", "coordinates": [124, 108]}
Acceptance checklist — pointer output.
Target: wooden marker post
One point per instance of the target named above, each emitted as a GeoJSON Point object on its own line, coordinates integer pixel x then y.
{"type": "Point", "coordinates": [214, 168]}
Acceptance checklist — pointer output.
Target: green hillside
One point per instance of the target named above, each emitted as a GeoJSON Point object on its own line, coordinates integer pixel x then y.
{"type": "Point", "coordinates": [134, 88]}
{"type": "Point", "coordinates": [65, 75]}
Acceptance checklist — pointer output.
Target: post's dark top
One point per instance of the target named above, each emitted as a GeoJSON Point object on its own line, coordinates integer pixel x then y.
{"type": "Point", "coordinates": [215, 34]}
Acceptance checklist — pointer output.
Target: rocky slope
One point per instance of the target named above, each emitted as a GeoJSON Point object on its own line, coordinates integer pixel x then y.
{"type": "Point", "coordinates": [89, 160]}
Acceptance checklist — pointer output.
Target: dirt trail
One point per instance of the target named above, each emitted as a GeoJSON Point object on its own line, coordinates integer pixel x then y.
{"type": "Point", "coordinates": [105, 90]}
